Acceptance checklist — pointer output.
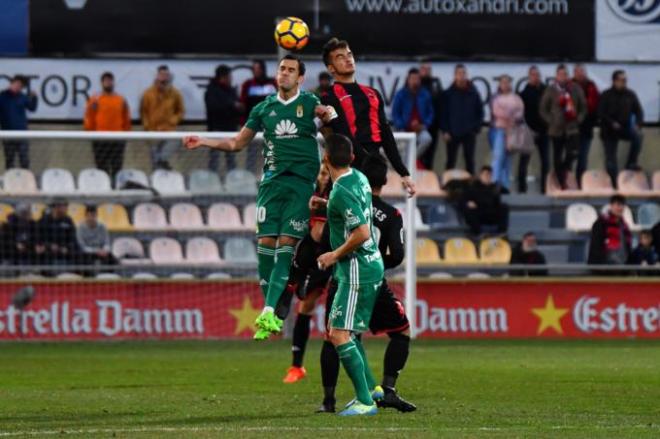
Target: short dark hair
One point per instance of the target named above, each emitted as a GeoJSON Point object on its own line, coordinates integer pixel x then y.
{"type": "Point", "coordinates": [332, 45]}
{"type": "Point", "coordinates": [561, 67]}
{"type": "Point", "coordinates": [163, 67]}
{"type": "Point", "coordinates": [339, 149]}
{"type": "Point", "coordinates": [646, 232]}
{"type": "Point", "coordinates": [59, 201]}
{"type": "Point", "coordinates": [529, 234]}
{"type": "Point", "coordinates": [222, 71]}
{"type": "Point", "coordinates": [301, 65]}
{"type": "Point", "coordinates": [91, 208]}
{"type": "Point", "coordinates": [374, 168]}
{"type": "Point", "coordinates": [107, 75]}
{"type": "Point", "coordinates": [617, 199]}
{"type": "Point", "coordinates": [486, 168]}
{"type": "Point", "coordinates": [20, 78]}
{"type": "Point", "coordinates": [413, 71]}
{"type": "Point", "coordinates": [616, 73]}
{"type": "Point", "coordinates": [459, 66]}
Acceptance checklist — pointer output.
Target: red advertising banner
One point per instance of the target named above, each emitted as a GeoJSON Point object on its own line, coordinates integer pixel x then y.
{"type": "Point", "coordinates": [454, 309]}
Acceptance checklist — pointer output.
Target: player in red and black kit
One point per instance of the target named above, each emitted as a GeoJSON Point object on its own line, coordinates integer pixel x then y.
{"type": "Point", "coordinates": [361, 111]}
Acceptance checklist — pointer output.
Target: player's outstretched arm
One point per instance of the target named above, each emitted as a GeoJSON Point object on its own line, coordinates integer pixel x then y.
{"type": "Point", "coordinates": [237, 143]}
{"type": "Point", "coordinates": [358, 236]}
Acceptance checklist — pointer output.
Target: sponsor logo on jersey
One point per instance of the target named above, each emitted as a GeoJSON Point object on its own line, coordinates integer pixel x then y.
{"type": "Point", "coordinates": [285, 129]}
{"type": "Point", "coordinates": [336, 312]}
{"type": "Point", "coordinates": [351, 219]}
{"type": "Point", "coordinates": [298, 226]}
{"type": "Point", "coordinates": [272, 113]}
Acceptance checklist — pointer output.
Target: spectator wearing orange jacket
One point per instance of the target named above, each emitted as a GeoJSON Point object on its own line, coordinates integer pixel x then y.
{"type": "Point", "coordinates": [108, 111]}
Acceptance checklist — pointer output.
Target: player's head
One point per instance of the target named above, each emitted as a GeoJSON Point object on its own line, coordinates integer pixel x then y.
{"type": "Point", "coordinates": [338, 58]}
{"type": "Point", "coordinates": [375, 169]}
{"type": "Point", "coordinates": [108, 82]}
{"type": "Point", "coordinates": [290, 73]}
{"type": "Point", "coordinates": [338, 151]}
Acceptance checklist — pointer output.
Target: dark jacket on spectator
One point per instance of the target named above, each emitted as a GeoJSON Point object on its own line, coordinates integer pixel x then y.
{"type": "Point", "coordinates": [618, 106]}
{"type": "Point", "coordinates": [254, 91]}
{"type": "Point", "coordinates": [487, 197]}
{"type": "Point", "coordinates": [521, 257]}
{"type": "Point", "coordinates": [18, 230]}
{"type": "Point", "coordinates": [60, 231]}
{"type": "Point", "coordinates": [592, 97]}
{"type": "Point", "coordinates": [609, 235]}
{"type": "Point", "coordinates": [462, 111]}
{"type": "Point", "coordinates": [561, 123]}
{"type": "Point", "coordinates": [434, 86]}
{"type": "Point", "coordinates": [643, 254]}
{"type": "Point", "coordinates": [531, 97]}
{"type": "Point", "coordinates": [221, 111]}
{"type": "Point", "coordinates": [404, 103]}
{"type": "Point", "coordinates": [13, 106]}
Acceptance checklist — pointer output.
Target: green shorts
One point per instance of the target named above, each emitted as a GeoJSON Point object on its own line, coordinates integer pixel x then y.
{"type": "Point", "coordinates": [283, 206]}
{"type": "Point", "coordinates": [351, 310]}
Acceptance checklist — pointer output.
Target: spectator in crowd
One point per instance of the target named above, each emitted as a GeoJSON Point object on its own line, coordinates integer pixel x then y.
{"type": "Point", "coordinates": [20, 236]}
{"type": "Point", "coordinates": [563, 108]}
{"type": "Point", "coordinates": [531, 97]}
{"type": "Point", "coordinates": [223, 111]}
{"type": "Point", "coordinates": [461, 118]}
{"type": "Point", "coordinates": [433, 85]}
{"type": "Point", "coordinates": [527, 253]}
{"type": "Point", "coordinates": [507, 111]}
{"type": "Point", "coordinates": [108, 111]}
{"type": "Point", "coordinates": [591, 96]}
{"type": "Point", "coordinates": [412, 110]}
{"type": "Point", "coordinates": [94, 239]}
{"type": "Point", "coordinates": [621, 118]}
{"type": "Point", "coordinates": [57, 234]}
{"type": "Point", "coordinates": [482, 204]}
{"type": "Point", "coordinates": [610, 236]}
{"type": "Point", "coordinates": [162, 109]}
{"type": "Point", "coordinates": [14, 105]}
{"type": "Point", "coordinates": [325, 83]}
{"type": "Point", "coordinates": [644, 254]}
{"type": "Point", "coordinates": [253, 91]}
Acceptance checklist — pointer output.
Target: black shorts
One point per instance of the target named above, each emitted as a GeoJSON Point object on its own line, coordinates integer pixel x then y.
{"type": "Point", "coordinates": [317, 279]}
{"type": "Point", "coordinates": [388, 315]}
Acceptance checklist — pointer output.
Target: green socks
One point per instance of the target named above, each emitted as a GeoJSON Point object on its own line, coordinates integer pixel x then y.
{"type": "Point", "coordinates": [371, 381]}
{"type": "Point", "coordinates": [265, 261]}
{"type": "Point", "coordinates": [279, 275]}
{"type": "Point", "coordinates": [351, 358]}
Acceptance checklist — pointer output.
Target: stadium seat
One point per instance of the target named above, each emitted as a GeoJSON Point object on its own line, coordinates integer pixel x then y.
{"type": "Point", "coordinates": [149, 216]}
{"type": "Point", "coordinates": [38, 210]}
{"type": "Point", "coordinates": [627, 216]}
{"type": "Point", "coordinates": [460, 251]}
{"type": "Point", "coordinates": [494, 251]}
{"type": "Point", "coordinates": [165, 251]}
{"type": "Point", "coordinates": [5, 211]}
{"type": "Point", "coordinates": [648, 215]}
{"type": "Point", "coordinates": [114, 216]}
{"type": "Point", "coordinates": [393, 186]}
{"type": "Point", "coordinates": [419, 222]}
{"type": "Point", "coordinates": [427, 184]}
{"type": "Point", "coordinates": [240, 182]}
{"type": "Point", "coordinates": [240, 250]}
{"type": "Point", "coordinates": [529, 220]}
{"type": "Point", "coordinates": [108, 276]}
{"type": "Point", "coordinates": [218, 275]}
{"type": "Point", "coordinates": [554, 254]}
{"type": "Point", "coordinates": [57, 181]}
{"type": "Point", "coordinates": [202, 250]}
{"type": "Point", "coordinates": [168, 182]}
{"type": "Point", "coordinates": [94, 181]}
{"type": "Point", "coordinates": [77, 212]}
{"type": "Point", "coordinates": [182, 276]}
{"type": "Point", "coordinates": [250, 216]}
{"type": "Point", "coordinates": [129, 251]}
{"type": "Point", "coordinates": [454, 174]}
{"type": "Point", "coordinates": [441, 275]}
{"type": "Point", "coordinates": [443, 216]}
{"type": "Point", "coordinates": [132, 176]}
{"type": "Point", "coordinates": [186, 216]}
{"type": "Point", "coordinates": [69, 276]}
{"type": "Point", "coordinates": [143, 275]}
{"type": "Point", "coordinates": [224, 216]}
{"type": "Point", "coordinates": [19, 181]}
{"type": "Point", "coordinates": [633, 182]}
{"type": "Point", "coordinates": [427, 252]}
{"type": "Point", "coordinates": [580, 217]}
{"type": "Point", "coordinates": [478, 275]}
{"type": "Point", "coordinates": [596, 181]}
{"type": "Point", "coordinates": [204, 182]}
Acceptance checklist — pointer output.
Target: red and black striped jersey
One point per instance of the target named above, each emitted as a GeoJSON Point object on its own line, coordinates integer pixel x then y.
{"type": "Point", "coordinates": [361, 112]}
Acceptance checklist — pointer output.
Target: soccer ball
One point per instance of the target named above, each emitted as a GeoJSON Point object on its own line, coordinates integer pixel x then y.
{"type": "Point", "coordinates": [291, 33]}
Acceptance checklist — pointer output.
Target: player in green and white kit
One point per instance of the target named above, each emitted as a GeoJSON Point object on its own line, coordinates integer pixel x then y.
{"type": "Point", "coordinates": [358, 266]}
{"type": "Point", "coordinates": [289, 121]}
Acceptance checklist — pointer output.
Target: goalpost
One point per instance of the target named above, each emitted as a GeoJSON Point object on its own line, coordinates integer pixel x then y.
{"type": "Point", "coordinates": [74, 154]}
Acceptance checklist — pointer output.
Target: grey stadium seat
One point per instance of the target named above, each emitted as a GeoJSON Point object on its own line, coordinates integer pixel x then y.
{"type": "Point", "coordinates": [240, 250]}
{"type": "Point", "coordinates": [648, 215]}
{"type": "Point", "coordinates": [529, 221]}
{"type": "Point", "coordinates": [241, 182]}
{"type": "Point", "coordinates": [555, 254]}
{"type": "Point", "coordinates": [203, 181]}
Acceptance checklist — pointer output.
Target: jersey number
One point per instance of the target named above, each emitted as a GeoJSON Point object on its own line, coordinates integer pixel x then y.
{"type": "Point", "coordinates": [261, 214]}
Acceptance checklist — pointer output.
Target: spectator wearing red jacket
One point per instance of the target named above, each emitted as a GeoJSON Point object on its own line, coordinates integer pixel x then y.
{"type": "Point", "coordinates": [592, 96]}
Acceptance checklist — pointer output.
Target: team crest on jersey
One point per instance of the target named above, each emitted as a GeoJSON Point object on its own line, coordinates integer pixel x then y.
{"type": "Point", "coordinates": [299, 111]}
{"type": "Point", "coordinates": [285, 129]}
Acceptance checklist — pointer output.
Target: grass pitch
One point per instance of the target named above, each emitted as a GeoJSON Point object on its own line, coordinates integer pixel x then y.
{"type": "Point", "coordinates": [494, 389]}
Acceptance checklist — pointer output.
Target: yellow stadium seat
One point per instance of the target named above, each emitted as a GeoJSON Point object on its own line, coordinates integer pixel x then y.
{"type": "Point", "coordinates": [495, 251]}
{"type": "Point", "coordinates": [427, 252]}
{"type": "Point", "coordinates": [77, 212]}
{"type": "Point", "coordinates": [460, 251]}
{"type": "Point", "coordinates": [114, 216]}
{"type": "Point", "coordinates": [5, 211]}
{"type": "Point", "coordinates": [37, 210]}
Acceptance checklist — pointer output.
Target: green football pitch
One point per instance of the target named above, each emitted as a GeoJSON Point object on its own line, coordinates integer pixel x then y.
{"type": "Point", "coordinates": [464, 389]}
